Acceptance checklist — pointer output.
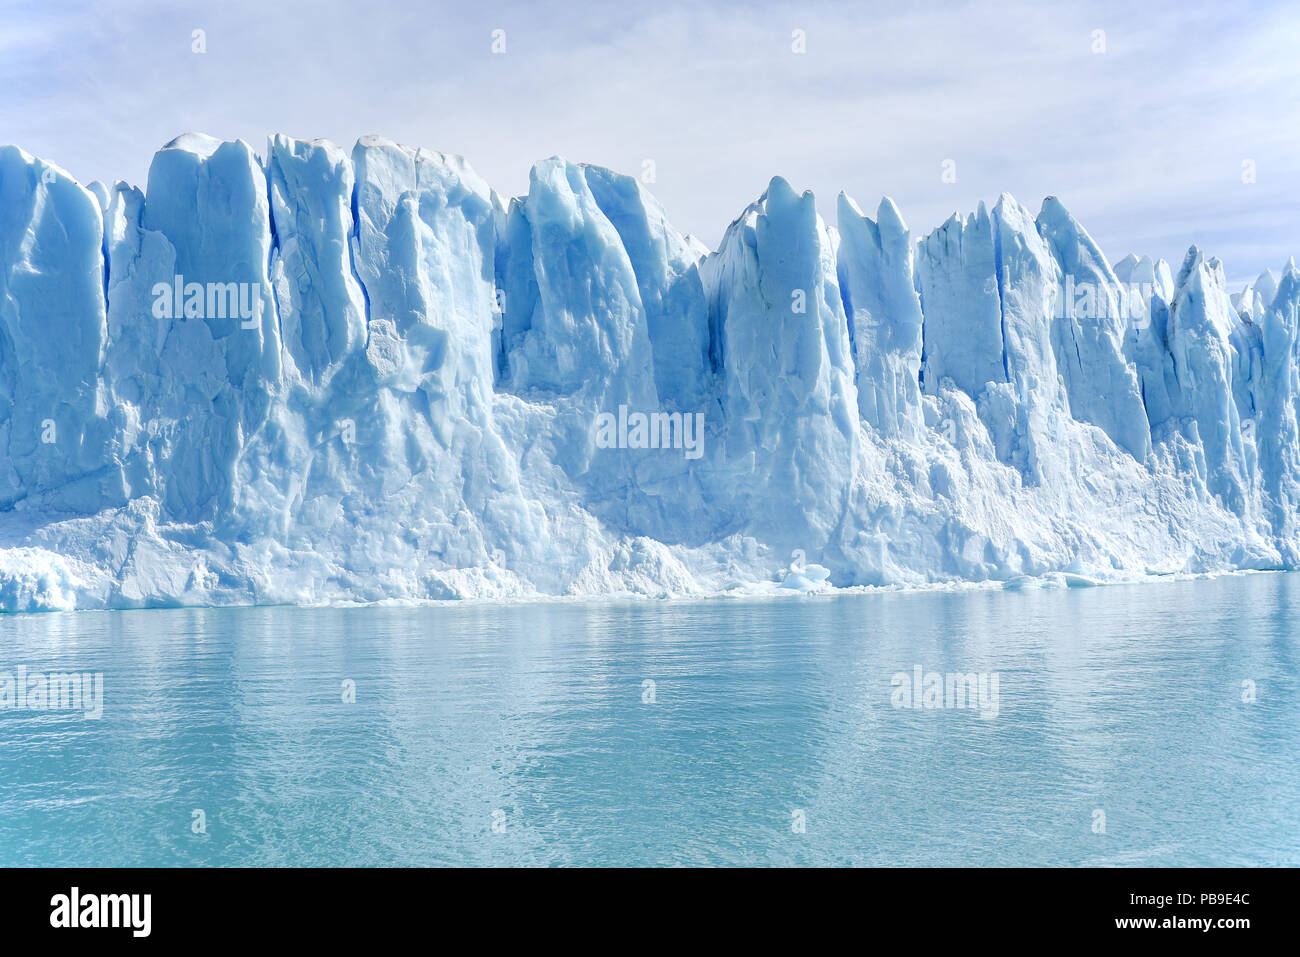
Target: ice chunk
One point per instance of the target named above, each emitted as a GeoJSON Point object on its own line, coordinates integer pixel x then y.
{"type": "Point", "coordinates": [1088, 342]}
{"type": "Point", "coordinates": [54, 427]}
{"type": "Point", "coordinates": [668, 281]}
{"type": "Point", "coordinates": [958, 277]}
{"type": "Point", "coordinates": [884, 314]}
{"type": "Point", "coordinates": [322, 307]}
{"type": "Point", "coordinates": [574, 320]}
{"type": "Point", "coordinates": [787, 388]}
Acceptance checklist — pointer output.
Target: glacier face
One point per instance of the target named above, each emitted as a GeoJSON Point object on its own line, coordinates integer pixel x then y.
{"type": "Point", "coordinates": [314, 376]}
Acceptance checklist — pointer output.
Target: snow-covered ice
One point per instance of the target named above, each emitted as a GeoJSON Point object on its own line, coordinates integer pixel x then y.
{"type": "Point", "coordinates": [314, 376]}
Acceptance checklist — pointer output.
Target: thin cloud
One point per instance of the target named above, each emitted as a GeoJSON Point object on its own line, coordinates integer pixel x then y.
{"type": "Point", "coordinates": [1145, 142]}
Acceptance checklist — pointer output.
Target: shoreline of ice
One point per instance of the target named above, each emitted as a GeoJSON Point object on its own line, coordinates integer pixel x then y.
{"type": "Point", "coordinates": [53, 588]}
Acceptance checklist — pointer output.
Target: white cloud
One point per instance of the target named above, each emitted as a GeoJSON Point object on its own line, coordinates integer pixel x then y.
{"type": "Point", "coordinates": [1143, 142]}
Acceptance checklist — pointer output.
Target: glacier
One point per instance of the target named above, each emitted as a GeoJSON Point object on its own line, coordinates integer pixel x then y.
{"type": "Point", "coordinates": [311, 376]}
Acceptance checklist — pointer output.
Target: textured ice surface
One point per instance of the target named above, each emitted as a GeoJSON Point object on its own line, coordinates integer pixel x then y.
{"type": "Point", "coordinates": [314, 376]}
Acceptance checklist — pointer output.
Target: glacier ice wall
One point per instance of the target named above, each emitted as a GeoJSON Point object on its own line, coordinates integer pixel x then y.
{"type": "Point", "coordinates": [316, 376]}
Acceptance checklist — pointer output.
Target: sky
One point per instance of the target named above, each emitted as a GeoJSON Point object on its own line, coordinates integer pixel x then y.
{"type": "Point", "coordinates": [1157, 124]}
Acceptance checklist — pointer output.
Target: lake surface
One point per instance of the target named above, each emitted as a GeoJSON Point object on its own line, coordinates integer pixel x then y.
{"type": "Point", "coordinates": [753, 732]}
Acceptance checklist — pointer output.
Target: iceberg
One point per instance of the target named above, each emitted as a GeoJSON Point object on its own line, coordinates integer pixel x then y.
{"type": "Point", "coordinates": [315, 376]}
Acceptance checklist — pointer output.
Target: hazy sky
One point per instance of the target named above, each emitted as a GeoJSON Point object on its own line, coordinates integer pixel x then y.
{"type": "Point", "coordinates": [1144, 142]}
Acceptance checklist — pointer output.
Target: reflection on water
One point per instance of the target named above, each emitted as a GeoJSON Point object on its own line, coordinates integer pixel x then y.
{"type": "Point", "coordinates": [719, 732]}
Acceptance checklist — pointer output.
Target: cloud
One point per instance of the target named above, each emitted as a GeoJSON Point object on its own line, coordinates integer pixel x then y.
{"type": "Point", "coordinates": [1145, 142]}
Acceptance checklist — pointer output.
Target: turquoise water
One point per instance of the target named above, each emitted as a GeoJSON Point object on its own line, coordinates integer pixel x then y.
{"type": "Point", "coordinates": [528, 734]}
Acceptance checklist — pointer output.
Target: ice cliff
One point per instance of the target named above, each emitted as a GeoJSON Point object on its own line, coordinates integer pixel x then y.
{"type": "Point", "coordinates": [311, 376]}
